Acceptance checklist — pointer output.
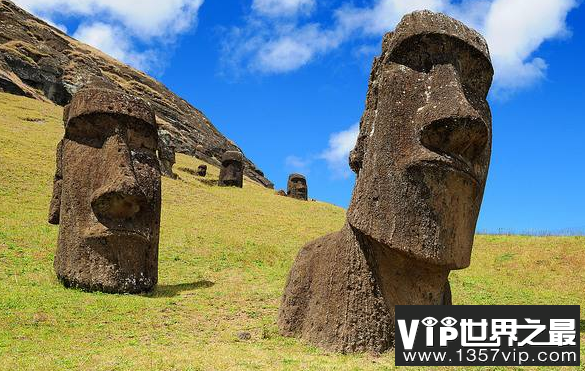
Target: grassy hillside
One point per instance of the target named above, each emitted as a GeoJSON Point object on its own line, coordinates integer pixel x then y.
{"type": "Point", "coordinates": [224, 257]}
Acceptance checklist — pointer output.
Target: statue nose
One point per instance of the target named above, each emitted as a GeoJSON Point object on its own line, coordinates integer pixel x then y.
{"type": "Point", "coordinates": [116, 205]}
{"type": "Point", "coordinates": [120, 197]}
{"type": "Point", "coordinates": [461, 137]}
{"type": "Point", "coordinates": [452, 125]}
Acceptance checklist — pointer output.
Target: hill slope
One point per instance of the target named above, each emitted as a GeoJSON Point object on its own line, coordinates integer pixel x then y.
{"type": "Point", "coordinates": [41, 62]}
{"type": "Point", "coordinates": [224, 257]}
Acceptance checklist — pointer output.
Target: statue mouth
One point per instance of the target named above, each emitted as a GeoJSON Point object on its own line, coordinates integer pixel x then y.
{"type": "Point", "coordinates": [453, 164]}
{"type": "Point", "coordinates": [107, 233]}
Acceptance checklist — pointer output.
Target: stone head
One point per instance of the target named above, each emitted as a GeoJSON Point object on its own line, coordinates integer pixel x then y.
{"type": "Point", "coordinates": [232, 169]}
{"type": "Point", "coordinates": [166, 149]}
{"type": "Point", "coordinates": [423, 150]}
{"type": "Point", "coordinates": [202, 170]}
{"type": "Point", "coordinates": [297, 187]}
{"type": "Point", "coordinates": [107, 193]}
{"type": "Point", "coordinates": [166, 153]}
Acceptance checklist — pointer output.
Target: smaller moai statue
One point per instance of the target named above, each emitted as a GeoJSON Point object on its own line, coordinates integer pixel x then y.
{"type": "Point", "coordinates": [232, 170]}
{"type": "Point", "coordinates": [297, 187]}
{"type": "Point", "coordinates": [166, 154]}
{"type": "Point", "coordinates": [202, 170]}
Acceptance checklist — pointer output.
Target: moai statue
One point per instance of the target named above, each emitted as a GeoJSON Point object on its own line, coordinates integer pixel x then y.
{"type": "Point", "coordinates": [421, 160]}
{"type": "Point", "coordinates": [107, 194]}
{"type": "Point", "coordinates": [232, 170]}
{"type": "Point", "coordinates": [202, 170]}
{"type": "Point", "coordinates": [166, 154]}
{"type": "Point", "coordinates": [297, 187]}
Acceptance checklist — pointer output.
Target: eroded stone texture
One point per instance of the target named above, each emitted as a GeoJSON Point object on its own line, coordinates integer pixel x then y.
{"type": "Point", "coordinates": [421, 160]}
{"type": "Point", "coordinates": [297, 187]}
{"type": "Point", "coordinates": [166, 154]}
{"type": "Point", "coordinates": [107, 194]}
{"type": "Point", "coordinates": [232, 170]}
{"type": "Point", "coordinates": [202, 170]}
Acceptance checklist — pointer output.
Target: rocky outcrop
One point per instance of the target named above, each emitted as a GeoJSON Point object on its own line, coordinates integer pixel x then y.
{"type": "Point", "coordinates": [41, 62]}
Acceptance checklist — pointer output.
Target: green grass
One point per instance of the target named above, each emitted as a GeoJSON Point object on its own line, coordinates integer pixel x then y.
{"type": "Point", "coordinates": [224, 257]}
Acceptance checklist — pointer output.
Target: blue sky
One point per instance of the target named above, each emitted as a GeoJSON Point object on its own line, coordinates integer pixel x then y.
{"type": "Point", "coordinates": [286, 80]}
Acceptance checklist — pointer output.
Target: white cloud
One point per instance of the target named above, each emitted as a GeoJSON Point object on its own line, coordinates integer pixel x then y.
{"type": "Point", "coordinates": [113, 41]}
{"type": "Point", "coordinates": [119, 27]}
{"type": "Point", "coordinates": [382, 16]}
{"type": "Point", "coordinates": [515, 29]}
{"type": "Point", "coordinates": [145, 18]}
{"type": "Point", "coordinates": [284, 55]}
{"type": "Point", "coordinates": [336, 154]}
{"type": "Point", "coordinates": [280, 8]}
{"type": "Point", "coordinates": [294, 49]}
{"type": "Point", "coordinates": [297, 164]}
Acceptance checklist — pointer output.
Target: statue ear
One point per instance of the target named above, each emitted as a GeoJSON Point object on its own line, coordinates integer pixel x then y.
{"type": "Point", "coordinates": [356, 155]}
{"type": "Point", "coordinates": [55, 206]}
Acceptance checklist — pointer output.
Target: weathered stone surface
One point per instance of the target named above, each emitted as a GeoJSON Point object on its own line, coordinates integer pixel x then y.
{"type": "Point", "coordinates": [202, 170]}
{"type": "Point", "coordinates": [244, 335]}
{"type": "Point", "coordinates": [166, 154]}
{"type": "Point", "coordinates": [107, 194]}
{"type": "Point", "coordinates": [281, 192]}
{"type": "Point", "coordinates": [41, 62]}
{"type": "Point", "coordinates": [297, 187]}
{"type": "Point", "coordinates": [421, 159]}
{"type": "Point", "coordinates": [232, 170]}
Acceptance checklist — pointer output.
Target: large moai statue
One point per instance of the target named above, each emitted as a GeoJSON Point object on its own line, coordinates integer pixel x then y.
{"type": "Point", "coordinates": [297, 187]}
{"type": "Point", "coordinates": [166, 154]}
{"type": "Point", "coordinates": [107, 194]}
{"type": "Point", "coordinates": [232, 170]}
{"type": "Point", "coordinates": [421, 160]}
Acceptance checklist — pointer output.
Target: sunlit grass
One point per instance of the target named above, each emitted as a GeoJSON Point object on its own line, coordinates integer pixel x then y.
{"type": "Point", "coordinates": [224, 257]}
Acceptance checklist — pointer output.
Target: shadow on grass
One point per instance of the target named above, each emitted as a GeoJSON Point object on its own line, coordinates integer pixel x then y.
{"type": "Point", "coordinates": [188, 170]}
{"type": "Point", "coordinates": [583, 326]}
{"type": "Point", "coordinates": [168, 291]}
{"type": "Point", "coordinates": [208, 182]}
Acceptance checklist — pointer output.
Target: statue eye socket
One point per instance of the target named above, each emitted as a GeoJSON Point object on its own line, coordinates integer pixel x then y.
{"type": "Point", "coordinates": [87, 133]}
{"type": "Point", "coordinates": [144, 156]}
{"type": "Point", "coordinates": [138, 139]}
{"type": "Point", "coordinates": [448, 321]}
{"type": "Point", "coordinates": [422, 52]}
{"type": "Point", "coordinates": [429, 321]}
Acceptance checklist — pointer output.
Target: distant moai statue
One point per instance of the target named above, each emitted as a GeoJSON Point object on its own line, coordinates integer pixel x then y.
{"type": "Point", "coordinates": [297, 187]}
{"type": "Point", "coordinates": [421, 159]}
{"type": "Point", "coordinates": [232, 170]}
{"type": "Point", "coordinates": [202, 170]}
{"type": "Point", "coordinates": [107, 194]}
{"type": "Point", "coordinates": [166, 154]}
